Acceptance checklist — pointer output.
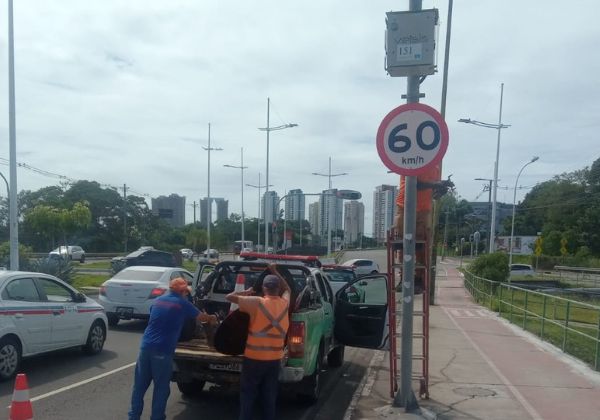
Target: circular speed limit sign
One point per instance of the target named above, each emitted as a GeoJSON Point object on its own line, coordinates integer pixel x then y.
{"type": "Point", "coordinates": [412, 138]}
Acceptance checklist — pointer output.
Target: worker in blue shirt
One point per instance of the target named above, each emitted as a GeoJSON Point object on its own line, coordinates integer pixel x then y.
{"type": "Point", "coordinates": [155, 361]}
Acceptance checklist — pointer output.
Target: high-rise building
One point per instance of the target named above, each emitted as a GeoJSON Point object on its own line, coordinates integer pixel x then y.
{"type": "Point", "coordinates": [270, 206]}
{"type": "Point", "coordinates": [313, 217]}
{"type": "Point", "coordinates": [354, 222]}
{"type": "Point", "coordinates": [330, 212]}
{"type": "Point", "coordinates": [222, 209]}
{"type": "Point", "coordinates": [171, 209]}
{"type": "Point", "coordinates": [384, 205]}
{"type": "Point", "coordinates": [294, 205]}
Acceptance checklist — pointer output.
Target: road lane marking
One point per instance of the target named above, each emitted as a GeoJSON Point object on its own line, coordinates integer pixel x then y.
{"type": "Point", "coordinates": [75, 385]}
{"type": "Point", "coordinates": [532, 412]}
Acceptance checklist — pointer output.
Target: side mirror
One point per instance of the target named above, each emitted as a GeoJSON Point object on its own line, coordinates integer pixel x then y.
{"type": "Point", "coordinates": [80, 298]}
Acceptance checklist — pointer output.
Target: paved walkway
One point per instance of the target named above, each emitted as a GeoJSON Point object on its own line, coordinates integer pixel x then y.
{"type": "Point", "coordinates": [482, 367]}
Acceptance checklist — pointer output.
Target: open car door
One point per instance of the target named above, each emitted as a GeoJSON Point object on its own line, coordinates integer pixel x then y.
{"type": "Point", "coordinates": [361, 313]}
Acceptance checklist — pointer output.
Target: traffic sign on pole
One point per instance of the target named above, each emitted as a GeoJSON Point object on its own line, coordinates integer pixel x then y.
{"type": "Point", "coordinates": [412, 138]}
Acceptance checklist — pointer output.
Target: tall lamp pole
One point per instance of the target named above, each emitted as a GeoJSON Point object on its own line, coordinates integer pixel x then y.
{"type": "Point", "coordinates": [241, 168]}
{"type": "Point", "coordinates": [489, 198]}
{"type": "Point", "coordinates": [12, 202]}
{"type": "Point", "coordinates": [512, 224]}
{"type": "Point", "coordinates": [268, 129]}
{"type": "Point", "coordinates": [208, 202]}
{"type": "Point", "coordinates": [329, 202]}
{"type": "Point", "coordinates": [498, 127]}
{"type": "Point", "coordinates": [259, 187]}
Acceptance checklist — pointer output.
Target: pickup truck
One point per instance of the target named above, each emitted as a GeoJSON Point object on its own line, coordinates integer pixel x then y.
{"type": "Point", "coordinates": [316, 334]}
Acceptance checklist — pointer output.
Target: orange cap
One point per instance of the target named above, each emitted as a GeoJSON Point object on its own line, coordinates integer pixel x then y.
{"type": "Point", "coordinates": [179, 285]}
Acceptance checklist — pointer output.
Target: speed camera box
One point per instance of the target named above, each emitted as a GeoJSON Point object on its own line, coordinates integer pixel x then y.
{"type": "Point", "coordinates": [410, 43]}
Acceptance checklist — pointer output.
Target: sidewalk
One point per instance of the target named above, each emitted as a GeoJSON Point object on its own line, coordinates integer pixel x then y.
{"type": "Point", "coordinates": [481, 367]}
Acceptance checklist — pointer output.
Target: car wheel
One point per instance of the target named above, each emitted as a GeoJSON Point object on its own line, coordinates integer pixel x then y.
{"type": "Point", "coordinates": [10, 357]}
{"type": "Point", "coordinates": [113, 320]}
{"type": "Point", "coordinates": [311, 385]}
{"type": "Point", "coordinates": [374, 272]}
{"type": "Point", "coordinates": [191, 389]}
{"type": "Point", "coordinates": [82, 259]}
{"type": "Point", "coordinates": [335, 358]}
{"type": "Point", "coordinates": [96, 338]}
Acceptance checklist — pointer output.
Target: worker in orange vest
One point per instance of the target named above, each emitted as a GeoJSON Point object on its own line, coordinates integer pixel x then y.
{"type": "Point", "coordinates": [269, 322]}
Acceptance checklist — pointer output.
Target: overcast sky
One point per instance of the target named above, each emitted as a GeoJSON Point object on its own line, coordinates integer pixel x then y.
{"type": "Point", "coordinates": [121, 92]}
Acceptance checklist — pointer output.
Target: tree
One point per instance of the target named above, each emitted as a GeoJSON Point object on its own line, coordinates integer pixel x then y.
{"type": "Point", "coordinates": [50, 221]}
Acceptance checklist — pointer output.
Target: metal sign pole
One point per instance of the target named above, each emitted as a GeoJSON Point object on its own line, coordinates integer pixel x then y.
{"type": "Point", "coordinates": [406, 397]}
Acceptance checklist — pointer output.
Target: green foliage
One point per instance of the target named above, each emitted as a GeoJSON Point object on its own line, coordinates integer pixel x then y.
{"type": "Point", "coordinates": [24, 256]}
{"type": "Point", "coordinates": [491, 266]}
{"type": "Point", "coordinates": [57, 267]}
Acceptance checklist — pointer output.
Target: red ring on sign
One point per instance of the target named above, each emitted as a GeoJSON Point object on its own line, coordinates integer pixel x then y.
{"type": "Point", "coordinates": [380, 140]}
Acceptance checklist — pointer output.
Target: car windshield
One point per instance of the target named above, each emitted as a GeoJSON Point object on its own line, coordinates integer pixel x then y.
{"type": "Point", "coordinates": [340, 275]}
{"type": "Point", "coordinates": [138, 275]}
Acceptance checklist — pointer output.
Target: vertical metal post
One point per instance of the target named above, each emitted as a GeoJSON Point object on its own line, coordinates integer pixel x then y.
{"type": "Point", "coordinates": [500, 301]}
{"type": "Point", "coordinates": [406, 397]}
{"type": "Point", "coordinates": [597, 358]}
{"type": "Point", "coordinates": [568, 310]}
{"type": "Point", "coordinates": [267, 181]}
{"type": "Point", "coordinates": [493, 224]}
{"type": "Point", "coordinates": [512, 303]}
{"type": "Point", "coordinates": [543, 318]}
{"type": "Point", "coordinates": [242, 169]}
{"type": "Point", "coordinates": [525, 310]}
{"type": "Point", "coordinates": [125, 215]}
{"type": "Point", "coordinates": [12, 201]}
{"type": "Point", "coordinates": [259, 216]}
{"type": "Point", "coordinates": [208, 202]}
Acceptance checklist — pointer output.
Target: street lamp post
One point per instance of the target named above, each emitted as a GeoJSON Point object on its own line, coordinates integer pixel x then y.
{"type": "Point", "coordinates": [241, 168]}
{"type": "Point", "coordinates": [268, 129]}
{"type": "Point", "coordinates": [259, 187]}
{"type": "Point", "coordinates": [329, 207]}
{"type": "Point", "coordinates": [498, 127]}
{"type": "Point", "coordinates": [512, 224]}
{"type": "Point", "coordinates": [208, 202]}
{"type": "Point", "coordinates": [489, 198]}
{"type": "Point", "coordinates": [13, 218]}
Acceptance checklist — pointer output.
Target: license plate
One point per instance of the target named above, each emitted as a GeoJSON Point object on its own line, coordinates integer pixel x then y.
{"type": "Point", "coordinates": [124, 312]}
{"type": "Point", "coordinates": [230, 367]}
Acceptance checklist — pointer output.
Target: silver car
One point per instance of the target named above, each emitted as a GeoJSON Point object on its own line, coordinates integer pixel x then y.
{"type": "Point", "coordinates": [70, 252]}
{"type": "Point", "coordinates": [362, 266]}
{"type": "Point", "coordinates": [131, 292]}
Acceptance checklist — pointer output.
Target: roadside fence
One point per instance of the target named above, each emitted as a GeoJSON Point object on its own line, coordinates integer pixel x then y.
{"type": "Point", "coordinates": [571, 325]}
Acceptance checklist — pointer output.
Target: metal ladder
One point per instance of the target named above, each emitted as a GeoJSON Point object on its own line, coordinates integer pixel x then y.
{"type": "Point", "coordinates": [422, 270]}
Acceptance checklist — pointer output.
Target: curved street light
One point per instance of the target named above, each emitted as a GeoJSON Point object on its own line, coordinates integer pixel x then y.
{"type": "Point", "coordinates": [209, 203]}
{"type": "Point", "coordinates": [330, 206]}
{"type": "Point", "coordinates": [241, 167]}
{"type": "Point", "coordinates": [498, 127]}
{"type": "Point", "coordinates": [268, 129]}
{"type": "Point", "coordinates": [512, 225]}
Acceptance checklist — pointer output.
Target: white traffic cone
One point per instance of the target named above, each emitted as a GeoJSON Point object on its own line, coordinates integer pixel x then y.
{"type": "Point", "coordinates": [240, 286]}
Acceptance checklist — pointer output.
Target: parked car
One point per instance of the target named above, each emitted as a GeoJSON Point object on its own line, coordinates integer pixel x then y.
{"type": "Point", "coordinates": [41, 313]}
{"type": "Point", "coordinates": [130, 293]}
{"type": "Point", "coordinates": [70, 252]}
{"type": "Point", "coordinates": [148, 256]}
{"type": "Point", "coordinates": [338, 276]}
{"type": "Point", "coordinates": [362, 266]}
{"type": "Point", "coordinates": [521, 270]}
{"type": "Point", "coordinates": [187, 253]}
{"type": "Point", "coordinates": [211, 254]}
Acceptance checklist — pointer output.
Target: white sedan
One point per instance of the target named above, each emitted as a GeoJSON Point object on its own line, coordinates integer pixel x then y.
{"type": "Point", "coordinates": [42, 313]}
{"type": "Point", "coordinates": [362, 266]}
{"type": "Point", "coordinates": [131, 292]}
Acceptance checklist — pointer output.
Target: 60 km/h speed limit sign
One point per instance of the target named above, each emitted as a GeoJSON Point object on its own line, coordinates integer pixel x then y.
{"type": "Point", "coordinates": [412, 138]}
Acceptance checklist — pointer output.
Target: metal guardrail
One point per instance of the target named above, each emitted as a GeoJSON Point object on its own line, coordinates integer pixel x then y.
{"type": "Point", "coordinates": [579, 276]}
{"type": "Point", "coordinates": [571, 325]}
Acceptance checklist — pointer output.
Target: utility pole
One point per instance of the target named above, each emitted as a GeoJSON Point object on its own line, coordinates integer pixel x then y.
{"type": "Point", "coordinates": [406, 397]}
{"type": "Point", "coordinates": [125, 215]}
{"type": "Point", "coordinates": [13, 219]}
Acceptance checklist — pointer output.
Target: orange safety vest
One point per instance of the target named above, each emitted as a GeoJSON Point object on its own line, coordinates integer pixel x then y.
{"type": "Point", "coordinates": [267, 330]}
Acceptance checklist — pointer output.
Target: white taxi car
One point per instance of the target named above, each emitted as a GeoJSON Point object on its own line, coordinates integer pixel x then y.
{"type": "Point", "coordinates": [40, 313]}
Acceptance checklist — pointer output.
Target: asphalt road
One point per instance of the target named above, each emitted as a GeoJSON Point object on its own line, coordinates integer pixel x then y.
{"type": "Point", "coordinates": [68, 385]}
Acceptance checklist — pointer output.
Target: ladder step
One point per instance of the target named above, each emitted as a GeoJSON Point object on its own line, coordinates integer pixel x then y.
{"type": "Point", "coordinates": [415, 335]}
{"type": "Point", "coordinates": [415, 313]}
{"type": "Point", "coordinates": [417, 357]}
